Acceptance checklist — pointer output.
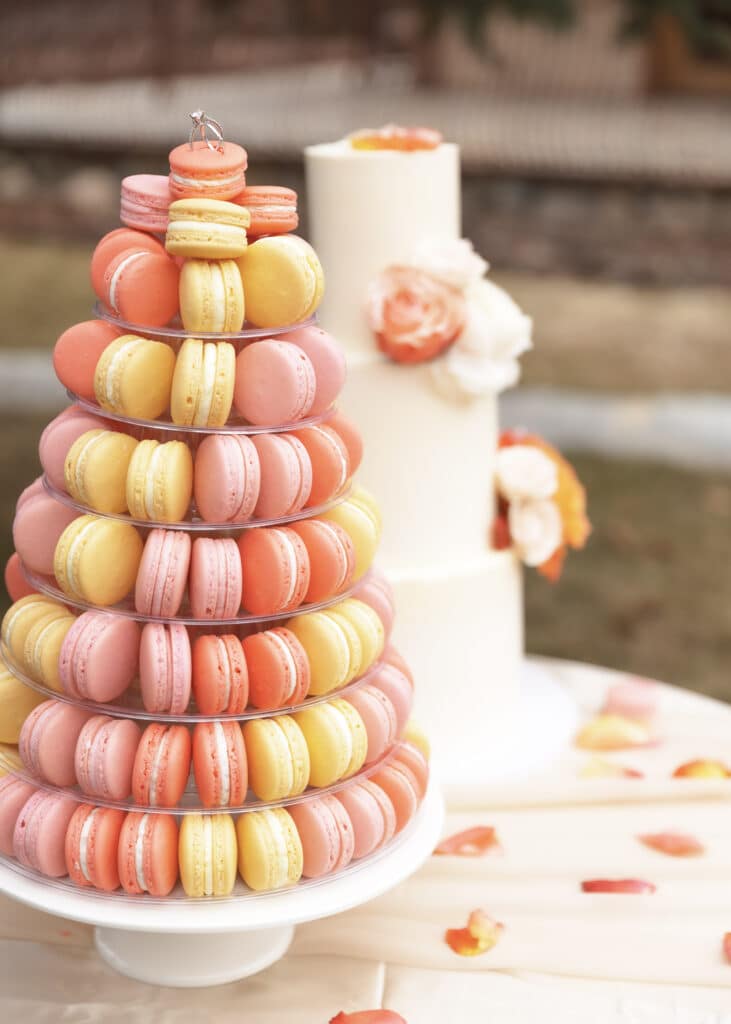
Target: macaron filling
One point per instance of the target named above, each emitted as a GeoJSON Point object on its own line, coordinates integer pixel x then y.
{"type": "Point", "coordinates": [142, 830]}
{"type": "Point", "coordinates": [116, 277]}
{"type": "Point", "coordinates": [84, 845]}
{"type": "Point", "coordinates": [209, 179]}
{"type": "Point", "coordinates": [221, 761]}
{"type": "Point", "coordinates": [290, 555]}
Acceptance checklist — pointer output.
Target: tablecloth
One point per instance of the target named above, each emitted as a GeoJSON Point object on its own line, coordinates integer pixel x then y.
{"type": "Point", "coordinates": [563, 955]}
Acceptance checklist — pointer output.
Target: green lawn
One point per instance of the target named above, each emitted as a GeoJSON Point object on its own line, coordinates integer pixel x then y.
{"type": "Point", "coordinates": [651, 593]}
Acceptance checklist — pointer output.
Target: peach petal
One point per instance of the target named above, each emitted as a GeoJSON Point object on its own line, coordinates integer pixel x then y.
{"type": "Point", "coordinates": [727, 946]}
{"type": "Point", "coordinates": [599, 767]}
{"type": "Point", "coordinates": [632, 698]}
{"type": "Point", "coordinates": [621, 885]}
{"type": "Point", "coordinates": [368, 1017]}
{"type": "Point", "coordinates": [472, 842]}
{"type": "Point", "coordinates": [674, 844]}
{"type": "Point", "coordinates": [702, 769]}
{"type": "Point", "coordinates": [395, 136]}
{"type": "Point", "coordinates": [480, 935]}
{"type": "Point", "coordinates": [613, 732]}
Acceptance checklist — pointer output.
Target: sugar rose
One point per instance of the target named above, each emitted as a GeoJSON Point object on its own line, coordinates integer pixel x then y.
{"type": "Point", "coordinates": [413, 315]}
{"type": "Point", "coordinates": [536, 529]}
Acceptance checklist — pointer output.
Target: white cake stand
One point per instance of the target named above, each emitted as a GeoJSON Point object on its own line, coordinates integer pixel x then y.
{"type": "Point", "coordinates": [188, 944]}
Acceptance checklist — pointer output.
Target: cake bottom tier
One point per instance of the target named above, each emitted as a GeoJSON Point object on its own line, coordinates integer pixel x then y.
{"type": "Point", "coordinates": [461, 632]}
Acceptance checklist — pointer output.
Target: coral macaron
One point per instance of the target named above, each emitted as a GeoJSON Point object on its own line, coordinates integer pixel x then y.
{"type": "Point", "coordinates": [99, 656]}
{"type": "Point", "coordinates": [220, 675]}
{"type": "Point", "coordinates": [141, 287]}
{"type": "Point", "coordinates": [206, 229]}
{"type": "Point", "coordinates": [330, 462]}
{"type": "Point", "coordinates": [279, 672]}
{"type": "Point", "coordinates": [163, 573]}
{"type": "Point", "coordinates": [105, 754]}
{"type": "Point", "coordinates": [161, 765]}
{"type": "Point", "coordinates": [111, 245]}
{"type": "Point", "coordinates": [328, 360]}
{"type": "Point", "coordinates": [227, 478]}
{"type": "Point", "coordinates": [275, 383]}
{"type": "Point", "coordinates": [286, 475]}
{"type": "Point", "coordinates": [220, 764]}
{"type": "Point", "coordinates": [403, 790]}
{"type": "Point", "coordinates": [210, 171]}
{"type": "Point", "coordinates": [92, 841]}
{"type": "Point", "coordinates": [215, 581]}
{"type": "Point", "coordinates": [203, 383]}
{"type": "Point", "coordinates": [77, 352]}
{"type": "Point", "coordinates": [350, 436]}
{"type": "Point", "coordinates": [332, 557]}
{"type": "Point", "coordinates": [275, 570]}
{"type": "Point", "coordinates": [134, 377]}
{"type": "Point", "coordinates": [273, 209]}
{"type": "Point", "coordinates": [165, 668]}
{"type": "Point", "coordinates": [147, 856]}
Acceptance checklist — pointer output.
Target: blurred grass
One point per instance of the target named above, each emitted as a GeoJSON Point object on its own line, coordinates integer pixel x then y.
{"type": "Point", "coordinates": [650, 594]}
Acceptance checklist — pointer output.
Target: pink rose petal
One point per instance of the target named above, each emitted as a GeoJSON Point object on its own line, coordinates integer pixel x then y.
{"type": "Point", "coordinates": [622, 885]}
{"type": "Point", "coordinates": [472, 842]}
{"type": "Point", "coordinates": [633, 698]}
{"type": "Point", "coordinates": [674, 844]}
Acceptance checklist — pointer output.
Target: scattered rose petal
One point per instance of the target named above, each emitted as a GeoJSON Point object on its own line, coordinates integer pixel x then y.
{"type": "Point", "coordinates": [472, 842]}
{"type": "Point", "coordinates": [632, 698]}
{"type": "Point", "coordinates": [368, 1017]}
{"type": "Point", "coordinates": [674, 844]}
{"type": "Point", "coordinates": [625, 885]}
{"type": "Point", "coordinates": [727, 946]}
{"type": "Point", "coordinates": [599, 768]}
{"type": "Point", "coordinates": [480, 935]}
{"type": "Point", "coordinates": [702, 769]}
{"type": "Point", "coordinates": [613, 732]}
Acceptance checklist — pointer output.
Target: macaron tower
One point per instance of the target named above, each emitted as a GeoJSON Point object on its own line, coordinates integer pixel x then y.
{"type": "Point", "coordinates": [197, 693]}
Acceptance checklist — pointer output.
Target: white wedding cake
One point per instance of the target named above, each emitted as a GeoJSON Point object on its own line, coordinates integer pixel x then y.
{"type": "Point", "coordinates": [430, 425]}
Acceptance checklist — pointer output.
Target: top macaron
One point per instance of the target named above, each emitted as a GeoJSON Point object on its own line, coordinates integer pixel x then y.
{"type": "Point", "coordinates": [201, 170]}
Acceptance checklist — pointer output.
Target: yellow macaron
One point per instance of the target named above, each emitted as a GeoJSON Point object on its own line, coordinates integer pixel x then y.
{"type": "Point", "coordinates": [133, 377]}
{"type": "Point", "coordinates": [361, 519]}
{"type": "Point", "coordinates": [95, 469]}
{"type": "Point", "coordinates": [328, 645]}
{"type": "Point", "coordinates": [414, 734]}
{"type": "Point", "coordinates": [160, 481]}
{"type": "Point", "coordinates": [283, 280]}
{"type": "Point", "coordinates": [43, 647]}
{"type": "Point", "coordinates": [207, 854]}
{"type": "Point", "coordinates": [10, 759]}
{"type": "Point", "coordinates": [277, 756]}
{"type": "Point", "coordinates": [20, 618]}
{"type": "Point", "coordinates": [336, 739]}
{"type": "Point", "coordinates": [369, 628]}
{"type": "Point", "coordinates": [16, 702]}
{"type": "Point", "coordinates": [270, 849]}
{"type": "Point", "coordinates": [352, 636]}
{"type": "Point", "coordinates": [96, 560]}
{"type": "Point", "coordinates": [206, 229]}
{"type": "Point", "coordinates": [203, 383]}
{"type": "Point", "coordinates": [211, 296]}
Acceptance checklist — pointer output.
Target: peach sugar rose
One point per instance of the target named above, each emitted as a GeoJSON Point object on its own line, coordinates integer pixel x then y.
{"type": "Point", "coordinates": [414, 315]}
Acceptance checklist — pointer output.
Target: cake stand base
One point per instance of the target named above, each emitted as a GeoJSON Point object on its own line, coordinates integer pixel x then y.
{"type": "Point", "coordinates": [192, 961]}
{"type": "Point", "coordinates": [545, 719]}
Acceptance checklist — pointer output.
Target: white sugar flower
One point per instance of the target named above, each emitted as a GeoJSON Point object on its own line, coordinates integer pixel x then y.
{"type": "Point", "coordinates": [525, 473]}
{"type": "Point", "coordinates": [536, 530]}
{"type": "Point", "coordinates": [453, 262]}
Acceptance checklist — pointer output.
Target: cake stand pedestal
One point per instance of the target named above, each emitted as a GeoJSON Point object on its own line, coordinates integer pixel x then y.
{"type": "Point", "coordinates": [190, 944]}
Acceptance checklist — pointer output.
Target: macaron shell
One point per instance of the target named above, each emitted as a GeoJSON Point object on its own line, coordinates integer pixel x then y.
{"type": "Point", "coordinates": [207, 850]}
{"type": "Point", "coordinates": [159, 853]}
{"type": "Point", "coordinates": [162, 765]}
{"type": "Point", "coordinates": [286, 475]}
{"type": "Point", "coordinates": [196, 399]}
{"type": "Point", "coordinates": [279, 672]}
{"type": "Point", "coordinates": [111, 245]}
{"type": "Point", "coordinates": [160, 481]}
{"type": "Point", "coordinates": [379, 718]}
{"type": "Point", "coordinates": [59, 436]}
{"type": "Point", "coordinates": [275, 383]}
{"type": "Point", "coordinates": [358, 734]}
{"type": "Point", "coordinates": [351, 437]}
{"type": "Point", "coordinates": [330, 462]}
{"type": "Point", "coordinates": [211, 296]}
{"type": "Point", "coordinates": [43, 649]}
{"type": "Point", "coordinates": [275, 570]}
{"type": "Point", "coordinates": [37, 527]}
{"type": "Point", "coordinates": [16, 702]}
{"type": "Point", "coordinates": [211, 172]}
{"type": "Point", "coordinates": [163, 573]}
{"type": "Point", "coordinates": [220, 675]}
{"type": "Point", "coordinates": [20, 618]}
{"type": "Point", "coordinates": [371, 814]}
{"type": "Point", "coordinates": [134, 377]}
{"type": "Point", "coordinates": [47, 742]}
{"type": "Point", "coordinates": [273, 209]}
{"type": "Point", "coordinates": [145, 199]}
{"type": "Point", "coordinates": [376, 591]}
{"type": "Point", "coordinates": [97, 559]}
{"type": "Point", "coordinates": [363, 531]}
{"type": "Point", "coordinates": [14, 794]}
{"type": "Point", "coordinates": [99, 656]}
{"type": "Point", "coordinates": [227, 478]}
{"type": "Point", "coordinates": [283, 281]}
{"type": "Point", "coordinates": [141, 287]}
{"type": "Point", "coordinates": [96, 467]}
{"type": "Point", "coordinates": [326, 647]}
{"type": "Point", "coordinates": [396, 686]}
{"type": "Point", "coordinates": [278, 756]}
{"type": "Point", "coordinates": [104, 756]}
{"type": "Point", "coordinates": [219, 754]}
{"type": "Point", "coordinates": [393, 657]}
{"type": "Point", "coordinates": [368, 627]}
{"type": "Point", "coordinates": [77, 352]}
{"type": "Point", "coordinates": [39, 837]}
{"type": "Point", "coordinates": [320, 836]}
{"type": "Point", "coordinates": [215, 581]}
{"type": "Point", "coordinates": [206, 229]}
{"type": "Point", "coordinates": [328, 360]}
{"type": "Point", "coordinates": [16, 584]}
{"type": "Point", "coordinates": [97, 829]}
{"type": "Point", "coordinates": [165, 667]}
{"type": "Point", "coordinates": [401, 787]}
{"type": "Point", "coordinates": [270, 849]}
{"type": "Point", "coordinates": [357, 661]}
{"type": "Point", "coordinates": [332, 557]}
{"type": "Point", "coordinates": [416, 762]}
{"type": "Point", "coordinates": [329, 741]}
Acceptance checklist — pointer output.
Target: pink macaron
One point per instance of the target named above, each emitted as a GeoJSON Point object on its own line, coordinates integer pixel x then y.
{"type": "Point", "coordinates": [227, 478]}
{"type": "Point", "coordinates": [14, 794]}
{"type": "Point", "coordinates": [375, 591]}
{"type": "Point", "coordinates": [220, 675]}
{"type": "Point", "coordinates": [379, 718]}
{"type": "Point", "coordinates": [215, 582]}
{"type": "Point", "coordinates": [38, 524]}
{"type": "Point", "coordinates": [328, 361]}
{"type": "Point", "coordinates": [105, 754]}
{"type": "Point", "coordinates": [351, 437]}
{"type": "Point", "coordinates": [275, 569]}
{"type": "Point", "coordinates": [273, 209]}
{"type": "Point", "coordinates": [402, 788]}
{"type": "Point", "coordinates": [16, 584]}
{"type": "Point", "coordinates": [332, 557]}
{"type": "Point", "coordinates": [39, 837]}
{"type": "Point", "coordinates": [99, 656]}
{"type": "Point", "coordinates": [141, 287]}
{"type": "Point", "coordinates": [36, 487]}
{"type": "Point", "coordinates": [330, 462]}
{"type": "Point", "coordinates": [219, 764]}
{"type": "Point", "coordinates": [47, 743]}
{"type": "Point", "coordinates": [144, 202]}
{"type": "Point", "coordinates": [279, 672]}
{"type": "Point", "coordinates": [163, 573]}
{"type": "Point", "coordinates": [165, 668]}
{"type": "Point", "coordinates": [92, 841]}
{"type": "Point", "coordinates": [111, 245]}
{"type": "Point", "coordinates": [392, 682]}
{"type": "Point", "coordinates": [275, 383]}
{"type": "Point", "coordinates": [286, 475]}
{"type": "Point", "coordinates": [161, 766]}
{"type": "Point", "coordinates": [326, 831]}
{"type": "Point", "coordinates": [77, 352]}
{"type": "Point", "coordinates": [415, 761]}
{"type": "Point", "coordinates": [58, 437]}
{"type": "Point", "coordinates": [371, 814]}
{"type": "Point", "coordinates": [393, 657]}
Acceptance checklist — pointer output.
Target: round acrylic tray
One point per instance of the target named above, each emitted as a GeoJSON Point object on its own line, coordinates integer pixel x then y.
{"type": "Point", "coordinates": [132, 707]}
{"type": "Point", "coordinates": [176, 331]}
{"type": "Point", "coordinates": [195, 524]}
{"type": "Point", "coordinates": [161, 941]}
{"type": "Point", "coordinates": [190, 801]}
{"type": "Point", "coordinates": [48, 585]}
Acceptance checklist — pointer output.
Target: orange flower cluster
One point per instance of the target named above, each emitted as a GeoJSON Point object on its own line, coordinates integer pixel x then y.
{"type": "Point", "coordinates": [570, 497]}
